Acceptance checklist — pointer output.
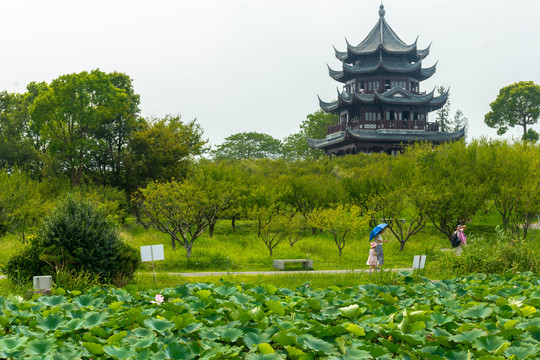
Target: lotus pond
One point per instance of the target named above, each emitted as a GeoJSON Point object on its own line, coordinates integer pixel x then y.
{"type": "Point", "coordinates": [475, 317]}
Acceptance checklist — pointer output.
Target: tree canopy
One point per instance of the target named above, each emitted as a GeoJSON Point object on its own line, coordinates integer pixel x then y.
{"type": "Point", "coordinates": [516, 105]}
{"type": "Point", "coordinates": [248, 145]}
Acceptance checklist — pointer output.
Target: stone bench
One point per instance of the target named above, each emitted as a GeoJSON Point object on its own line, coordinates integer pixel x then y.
{"type": "Point", "coordinates": [306, 264]}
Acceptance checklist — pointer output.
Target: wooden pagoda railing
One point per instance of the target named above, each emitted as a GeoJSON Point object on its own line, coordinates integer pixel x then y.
{"type": "Point", "coordinates": [384, 124]}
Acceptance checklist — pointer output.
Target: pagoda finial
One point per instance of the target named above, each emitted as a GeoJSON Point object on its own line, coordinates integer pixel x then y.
{"type": "Point", "coordinates": [381, 10]}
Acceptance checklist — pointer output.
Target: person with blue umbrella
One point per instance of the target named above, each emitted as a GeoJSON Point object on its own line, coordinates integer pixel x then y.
{"type": "Point", "coordinates": [376, 236]}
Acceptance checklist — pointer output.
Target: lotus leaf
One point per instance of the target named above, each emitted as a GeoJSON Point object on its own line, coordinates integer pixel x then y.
{"type": "Point", "coordinates": [159, 324]}
{"type": "Point", "coordinates": [120, 353]}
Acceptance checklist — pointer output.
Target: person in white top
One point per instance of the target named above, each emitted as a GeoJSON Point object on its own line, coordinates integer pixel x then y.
{"type": "Point", "coordinates": [372, 259]}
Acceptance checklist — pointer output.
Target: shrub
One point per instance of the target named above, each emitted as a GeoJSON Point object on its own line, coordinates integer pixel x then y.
{"type": "Point", "coordinates": [22, 266]}
{"type": "Point", "coordinates": [492, 257]}
{"type": "Point", "coordinates": [76, 242]}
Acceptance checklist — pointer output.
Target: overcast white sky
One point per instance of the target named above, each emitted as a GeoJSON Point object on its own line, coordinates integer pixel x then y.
{"type": "Point", "coordinates": [252, 65]}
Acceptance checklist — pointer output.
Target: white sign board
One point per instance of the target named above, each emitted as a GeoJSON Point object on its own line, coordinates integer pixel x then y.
{"type": "Point", "coordinates": [42, 282]}
{"type": "Point", "coordinates": [152, 253]}
{"type": "Point", "coordinates": [419, 261]}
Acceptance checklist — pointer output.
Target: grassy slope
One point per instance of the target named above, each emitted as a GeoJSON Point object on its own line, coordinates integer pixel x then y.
{"type": "Point", "coordinates": [241, 250]}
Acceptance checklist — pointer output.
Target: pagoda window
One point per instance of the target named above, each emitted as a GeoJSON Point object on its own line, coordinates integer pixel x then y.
{"type": "Point", "coordinates": [372, 116]}
{"type": "Point", "coordinates": [361, 85]}
{"type": "Point", "coordinates": [386, 85]}
{"type": "Point", "coordinates": [401, 84]}
{"type": "Point", "coordinates": [390, 115]}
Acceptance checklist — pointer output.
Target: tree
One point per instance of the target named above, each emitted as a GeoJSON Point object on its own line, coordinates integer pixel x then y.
{"type": "Point", "coordinates": [21, 204]}
{"type": "Point", "coordinates": [295, 146]}
{"type": "Point", "coordinates": [450, 190]}
{"type": "Point", "coordinates": [443, 114]}
{"type": "Point", "coordinates": [460, 121]}
{"type": "Point", "coordinates": [516, 105]}
{"type": "Point", "coordinates": [514, 173]}
{"type": "Point", "coordinates": [69, 113]}
{"type": "Point", "coordinates": [224, 187]}
{"type": "Point", "coordinates": [177, 208]}
{"type": "Point", "coordinates": [397, 206]}
{"type": "Point", "coordinates": [16, 147]}
{"type": "Point", "coordinates": [309, 185]}
{"type": "Point", "coordinates": [162, 149]}
{"type": "Point", "coordinates": [340, 221]}
{"type": "Point", "coordinates": [273, 229]}
{"type": "Point", "coordinates": [76, 239]}
{"type": "Point", "coordinates": [248, 145]}
{"type": "Point", "coordinates": [114, 134]}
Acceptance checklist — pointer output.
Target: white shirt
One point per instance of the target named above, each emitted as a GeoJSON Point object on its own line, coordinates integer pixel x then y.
{"type": "Point", "coordinates": [378, 239]}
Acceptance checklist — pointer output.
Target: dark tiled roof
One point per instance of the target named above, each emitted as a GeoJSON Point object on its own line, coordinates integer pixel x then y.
{"type": "Point", "coordinates": [332, 139]}
{"type": "Point", "coordinates": [352, 71]}
{"type": "Point", "coordinates": [405, 135]}
{"type": "Point", "coordinates": [381, 37]}
{"type": "Point", "coordinates": [395, 96]}
{"type": "Point", "coordinates": [386, 135]}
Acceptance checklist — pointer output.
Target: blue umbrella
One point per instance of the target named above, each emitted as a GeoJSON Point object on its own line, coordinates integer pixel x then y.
{"type": "Point", "coordinates": [377, 229]}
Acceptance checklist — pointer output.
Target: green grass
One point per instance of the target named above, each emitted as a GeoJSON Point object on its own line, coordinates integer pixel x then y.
{"type": "Point", "coordinates": [241, 250]}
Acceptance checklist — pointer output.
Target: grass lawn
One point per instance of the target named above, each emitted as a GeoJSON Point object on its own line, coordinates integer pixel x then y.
{"type": "Point", "coordinates": [242, 250]}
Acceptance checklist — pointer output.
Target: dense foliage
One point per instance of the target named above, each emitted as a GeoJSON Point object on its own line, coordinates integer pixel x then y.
{"type": "Point", "coordinates": [75, 237]}
{"type": "Point", "coordinates": [477, 317]}
{"type": "Point", "coordinates": [445, 186]}
{"type": "Point", "coordinates": [517, 104]}
{"type": "Point", "coordinates": [86, 126]}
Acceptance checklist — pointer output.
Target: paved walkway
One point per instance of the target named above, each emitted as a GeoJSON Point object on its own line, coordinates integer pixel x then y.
{"type": "Point", "coordinates": [254, 273]}
{"type": "Point", "coordinates": [280, 272]}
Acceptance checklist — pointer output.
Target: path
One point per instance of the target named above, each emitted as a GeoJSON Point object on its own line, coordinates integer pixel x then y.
{"type": "Point", "coordinates": [253, 273]}
{"type": "Point", "coordinates": [279, 272]}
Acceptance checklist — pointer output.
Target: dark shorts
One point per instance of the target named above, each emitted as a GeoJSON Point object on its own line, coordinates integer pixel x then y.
{"type": "Point", "coordinates": [380, 254]}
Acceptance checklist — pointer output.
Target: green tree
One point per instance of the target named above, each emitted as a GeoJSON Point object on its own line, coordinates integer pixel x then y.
{"type": "Point", "coordinates": [248, 145]}
{"type": "Point", "coordinates": [295, 146]}
{"type": "Point", "coordinates": [308, 185]}
{"type": "Point", "coordinates": [162, 149]}
{"type": "Point", "coordinates": [397, 206]}
{"type": "Point", "coordinates": [460, 121]}
{"type": "Point", "coordinates": [340, 221]}
{"type": "Point", "coordinates": [113, 136]}
{"type": "Point", "coordinates": [70, 112]}
{"type": "Point", "coordinates": [450, 190]}
{"type": "Point", "coordinates": [177, 208]}
{"type": "Point", "coordinates": [514, 176]}
{"type": "Point", "coordinates": [516, 105]}
{"type": "Point", "coordinates": [224, 187]}
{"type": "Point", "coordinates": [22, 205]}
{"type": "Point", "coordinates": [443, 114]}
{"type": "Point", "coordinates": [76, 239]}
{"type": "Point", "coordinates": [272, 227]}
{"type": "Point", "coordinates": [16, 146]}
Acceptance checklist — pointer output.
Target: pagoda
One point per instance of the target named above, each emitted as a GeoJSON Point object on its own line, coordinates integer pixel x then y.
{"type": "Point", "coordinates": [380, 106]}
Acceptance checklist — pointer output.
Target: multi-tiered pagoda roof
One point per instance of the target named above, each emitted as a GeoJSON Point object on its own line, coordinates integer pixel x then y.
{"type": "Point", "coordinates": [381, 105]}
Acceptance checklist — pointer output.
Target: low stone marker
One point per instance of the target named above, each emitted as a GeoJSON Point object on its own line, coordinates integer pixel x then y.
{"type": "Point", "coordinates": [306, 263]}
{"type": "Point", "coordinates": [42, 282]}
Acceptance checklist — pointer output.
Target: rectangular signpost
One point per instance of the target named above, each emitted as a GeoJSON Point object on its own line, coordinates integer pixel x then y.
{"type": "Point", "coordinates": [152, 253]}
{"type": "Point", "coordinates": [419, 261]}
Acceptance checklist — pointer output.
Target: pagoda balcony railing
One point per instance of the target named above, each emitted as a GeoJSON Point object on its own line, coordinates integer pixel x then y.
{"type": "Point", "coordinates": [384, 124]}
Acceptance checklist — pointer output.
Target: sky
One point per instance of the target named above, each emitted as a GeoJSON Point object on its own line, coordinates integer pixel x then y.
{"type": "Point", "coordinates": [252, 65]}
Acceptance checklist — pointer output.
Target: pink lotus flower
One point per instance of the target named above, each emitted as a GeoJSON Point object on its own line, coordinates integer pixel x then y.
{"type": "Point", "coordinates": [159, 299]}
